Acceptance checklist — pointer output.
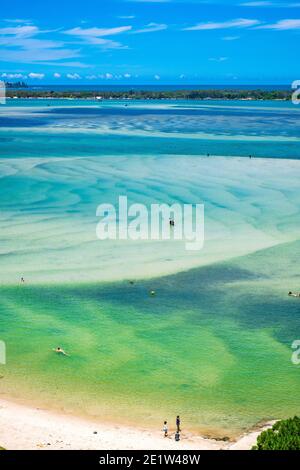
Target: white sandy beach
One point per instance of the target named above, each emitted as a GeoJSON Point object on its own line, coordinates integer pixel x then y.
{"type": "Point", "coordinates": [25, 428]}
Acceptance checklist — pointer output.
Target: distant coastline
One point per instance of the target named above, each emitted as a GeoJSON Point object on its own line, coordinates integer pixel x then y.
{"type": "Point", "coordinates": [140, 94]}
{"type": "Point", "coordinates": [15, 85]}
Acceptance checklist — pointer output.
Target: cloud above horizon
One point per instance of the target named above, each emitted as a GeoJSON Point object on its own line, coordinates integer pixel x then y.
{"type": "Point", "coordinates": [151, 28]}
{"type": "Point", "coordinates": [270, 4]}
{"type": "Point", "coordinates": [97, 36]}
{"type": "Point", "coordinates": [282, 25]}
{"type": "Point", "coordinates": [237, 23]}
{"type": "Point", "coordinates": [120, 47]}
{"type": "Point", "coordinates": [230, 38]}
{"type": "Point", "coordinates": [22, 44]}
{"type": "Point", "coordinates": [218, 59]}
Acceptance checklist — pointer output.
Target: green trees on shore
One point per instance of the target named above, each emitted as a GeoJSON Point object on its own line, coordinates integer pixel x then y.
{"type": "Point", "coordinates": [284, 435]}
{"type": "Point", "coordinates": [156, 95]}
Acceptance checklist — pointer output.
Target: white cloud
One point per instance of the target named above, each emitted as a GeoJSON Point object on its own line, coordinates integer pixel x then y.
{"type": "Point", "coordinates": [157, 77]}
{"type": "Point", "coordinates": [238, 23]}
{"type": "Point", "coordinates": [36, 76]}
{"type": "Point", "coordinates": [104, 43]}
{"type": "Point", "coordinates": [150, 1]}
{"type": "Point", "coordinates": [29, 43]}
{"type": "Point", "coordinates": [230, 38]}
{"type": "Point", "coordinates": [218, 59]}
{"type": "Point", "coordinates": [270, 4]}
{"type": "Point", "coordinates": [21, 44]}
{"type": "Point", "coordinates": [127, 75]}
{"type": "Point", "coordinates": [65, 64]}
{"type": "Point", "coordinates": [97, 32]}
{"type": "Point", "coordinates": [282, 25]}
{"type": "Point", "coordinates": [95, 36]}
{"type": "Point", "coordinates": [151, 28]}
{"type": "Point", "coordinates": [106, 76]}
{"type": "Point", "coordinates": [231, 76]}
{"type": "Point", "coordinates": [73, 76]}
{"type": "Point", "coordinates": [56, 75]}
{"type": "Point", "coordinates": [36, 56]}
{"type": "Point", "coordinates": [13, 75]}
{"type": "Point", "coordinates": [19, 31]}
{"type": "Point", "coordinates": [17, 21]}
{"type": "Point", "coordinates": [256, 4]}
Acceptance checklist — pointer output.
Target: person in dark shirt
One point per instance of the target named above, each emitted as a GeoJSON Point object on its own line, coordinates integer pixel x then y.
{"type": "Point", "coordinates": [178, 424]}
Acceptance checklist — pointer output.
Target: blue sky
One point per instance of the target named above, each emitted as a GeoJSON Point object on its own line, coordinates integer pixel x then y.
{"type": "Point", "coordinates": [143, 41]}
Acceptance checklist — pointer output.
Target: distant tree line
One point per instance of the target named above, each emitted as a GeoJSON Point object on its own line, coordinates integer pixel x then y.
{"type": "Point", "coordinates": [156, 95]}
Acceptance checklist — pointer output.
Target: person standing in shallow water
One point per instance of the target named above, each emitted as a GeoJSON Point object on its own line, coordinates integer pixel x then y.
{"type": "Point", "coordinates": [178, 424]}
{"type": "Point", "coordinates": [165, 429]}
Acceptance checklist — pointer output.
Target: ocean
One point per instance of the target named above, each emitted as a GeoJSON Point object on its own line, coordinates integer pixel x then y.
{"type": "Point", "coordinates": [214, 343]}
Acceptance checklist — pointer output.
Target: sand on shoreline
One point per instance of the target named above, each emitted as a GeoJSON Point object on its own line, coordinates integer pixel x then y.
{"type": "Point", "coordinates": [28, 428]}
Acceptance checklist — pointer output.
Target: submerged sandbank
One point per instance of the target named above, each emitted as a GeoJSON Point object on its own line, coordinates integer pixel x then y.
{"type": "Point", "coordinates": [48, 213]}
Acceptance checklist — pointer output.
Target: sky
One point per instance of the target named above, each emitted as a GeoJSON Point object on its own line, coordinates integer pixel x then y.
{"type": "Point", "coordinates": [150, 42]}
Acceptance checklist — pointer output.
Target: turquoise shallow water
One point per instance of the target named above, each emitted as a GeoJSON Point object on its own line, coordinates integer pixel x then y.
{"type": "Point", "coordinates": [214, 344]}
{"type": "Point", "coordinates": [48, 218]}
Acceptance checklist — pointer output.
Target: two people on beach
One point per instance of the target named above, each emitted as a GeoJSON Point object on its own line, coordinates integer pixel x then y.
{"type": "Point", "coordinates": [178, 429]}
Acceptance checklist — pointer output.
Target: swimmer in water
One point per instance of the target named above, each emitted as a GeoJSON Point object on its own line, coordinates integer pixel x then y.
{"type": "Point", "coordinates": [59, 350]}
{"type": "Point", "coordinates": [291, 294]}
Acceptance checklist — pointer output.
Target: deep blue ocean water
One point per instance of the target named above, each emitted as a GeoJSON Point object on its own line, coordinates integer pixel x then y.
{"type": "Point", "coordinates": [47, 127]}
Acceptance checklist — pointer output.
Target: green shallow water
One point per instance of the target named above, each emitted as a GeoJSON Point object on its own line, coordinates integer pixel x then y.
{"type": "Point", "coordinates": [214, 345]}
